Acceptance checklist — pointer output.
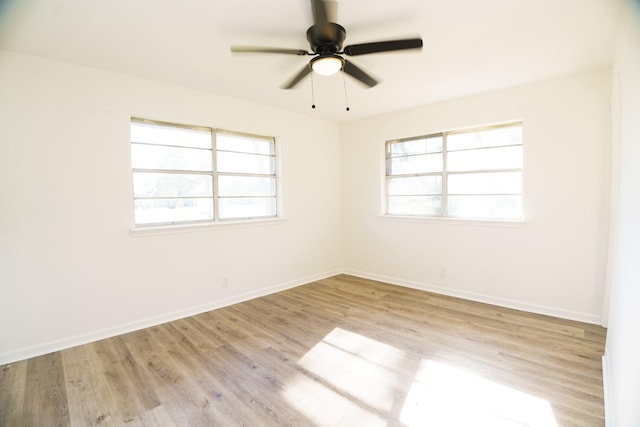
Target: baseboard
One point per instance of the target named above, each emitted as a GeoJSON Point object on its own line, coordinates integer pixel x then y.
{"type": "Point", "coordinates": [61, 344]}
{"type": "Point", "coordinates": [608, 392]}
{"type": "Point", "coordinates": [488, 299]}
{"type": "Point", "coordinates": [73, 341]}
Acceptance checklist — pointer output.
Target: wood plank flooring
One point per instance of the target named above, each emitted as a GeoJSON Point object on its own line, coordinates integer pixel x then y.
{"type": "Point", "coordinates": [342, 351]}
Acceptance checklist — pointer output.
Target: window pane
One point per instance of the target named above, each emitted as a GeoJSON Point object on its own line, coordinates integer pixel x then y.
{"type": "Point", "coordinates": [485, 207]}
{"type": "Point", "coordinates": [165, 211]}
{"type": "Point", "coordinates": [415, 185]}
{"type": "Point", "coordinates": [511, 135]}
{"type": "Point", "coordinates": [485, 183]}
{"type": "Point", "coordinates": [171, 185]}
{"type": "Point", "coordinates": [246, 186]}
{"type": "Point", "coordinates": [245, 163]}
{"type": "Point", "coordinates": [414, 205]}
{"type": "Point", "coordinates": [426, 163]}
{"type": "Point", "coordinates": [416, 146]}
{"type": "Point", "coordinates": [170, 135]}
{"type": "Point", "coordinates": [159, 157]}
{"type": "Point", "coordinates": [244, 144]}
{"type": "Point", "coordinates": [490, 158]}
{"type": "Point", "coordinates": [247, 207]}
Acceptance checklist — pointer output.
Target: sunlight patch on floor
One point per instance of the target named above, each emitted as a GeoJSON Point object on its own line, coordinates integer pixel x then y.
{"type": "Point", "coordinates": [356, 365]}
{"type": "Point", "coordinates": [326, 407]}
{"type": "Point", "coordinates": [351, 380]}
{"type": "Point", "coordinates": [444, 396]}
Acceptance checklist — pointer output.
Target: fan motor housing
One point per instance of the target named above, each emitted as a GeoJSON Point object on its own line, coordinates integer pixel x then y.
{"type": "Point", "coordinates": [328, 40]}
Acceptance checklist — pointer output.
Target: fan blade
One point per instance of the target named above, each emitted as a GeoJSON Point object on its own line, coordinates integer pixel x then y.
{"type": "Point", "coordinates": [296, 79]}
{"type": "Point", "coordinates": [358, 74]}
{"type": "Point", "coordinates": [259, 49]}
{"type": "Point", "coordinates": [386, 46]}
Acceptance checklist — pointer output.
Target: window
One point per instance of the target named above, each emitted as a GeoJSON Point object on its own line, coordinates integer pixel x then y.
{"type": "Point", "coordinates": [473, 174]}
{"type": "Point", "coordinates": [185, 174]}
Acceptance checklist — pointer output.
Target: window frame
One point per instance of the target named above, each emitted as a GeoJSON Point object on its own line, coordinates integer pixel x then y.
{"type": "Point", "coordinates": [213, 174]}
{"type": "Point", "coordinates": [445, 173]}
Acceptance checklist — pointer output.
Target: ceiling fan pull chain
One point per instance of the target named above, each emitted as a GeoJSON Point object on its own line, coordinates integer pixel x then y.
{"type": "Point", "coordinates": [313, 96]}
{"type": "Point", "coordinates": [346, 98]}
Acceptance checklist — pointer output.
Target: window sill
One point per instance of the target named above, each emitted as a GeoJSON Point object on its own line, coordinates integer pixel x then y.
{"type": "Point", "coordinates": [155, 230]}
{"type": "Point", "coordinates": [455, 221]}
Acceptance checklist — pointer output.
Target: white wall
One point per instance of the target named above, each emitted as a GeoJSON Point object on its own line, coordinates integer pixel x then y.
{"type": "Point", "coordinates": [554, 263]}
{"type": "Point", "coordinates": [622, 355]}
{"type": "Point", "coordinates": [71, 271]}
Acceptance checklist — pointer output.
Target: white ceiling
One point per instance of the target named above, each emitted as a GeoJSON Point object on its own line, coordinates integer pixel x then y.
{"type": "Point", "coordinates": [470, 46]}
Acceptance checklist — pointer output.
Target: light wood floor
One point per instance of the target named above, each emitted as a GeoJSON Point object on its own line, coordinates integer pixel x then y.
{"type": "Point", "coordinates": [342, 351]}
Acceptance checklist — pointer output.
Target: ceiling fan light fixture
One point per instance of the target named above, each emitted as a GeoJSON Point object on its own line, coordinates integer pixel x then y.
{"type": "Point", "coordinates": [327, 65]}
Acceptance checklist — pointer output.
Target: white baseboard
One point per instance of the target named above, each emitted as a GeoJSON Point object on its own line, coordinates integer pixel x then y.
{"type": "Point", "coordinates": [64, 343]}
{"type": "Point", "coordinates": [608, 392]}
{"type": "Point", "coordinates": [472, 296]}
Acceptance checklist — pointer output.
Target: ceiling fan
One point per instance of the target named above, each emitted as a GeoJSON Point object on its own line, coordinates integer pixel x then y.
{"type": "Point", "coordinates": [325, 39]}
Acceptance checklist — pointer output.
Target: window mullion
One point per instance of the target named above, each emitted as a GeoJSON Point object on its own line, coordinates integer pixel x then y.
{"type": "Point", "coordinates": [214, 175]}
{"type": "Point", "coordinates": [445, 177]}
{"type": "Point", "coordinates": [172, 171]}
{"type": "Point", "coordinates": [170, 197]}
{"type": "Point", "coordinates": [250, 175]}
{"type": "Point", "coordinates": [411, 175]}
{"type": "Point", "coordinates": [168, 145]}
{"type": "Point", "coordinates": [476, 171]}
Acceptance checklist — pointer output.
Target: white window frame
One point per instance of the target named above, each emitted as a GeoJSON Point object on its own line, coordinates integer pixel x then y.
{"type": "Point", "coordinates": [214, 174]}
{"type": "Point", "coordinates": [445, 173]}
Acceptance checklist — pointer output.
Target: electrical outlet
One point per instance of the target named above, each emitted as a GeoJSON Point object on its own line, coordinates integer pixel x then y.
{"type": "Point", "coordinates": [443, 272]}
{"type": "Point", "coordinates": [224, 283]}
